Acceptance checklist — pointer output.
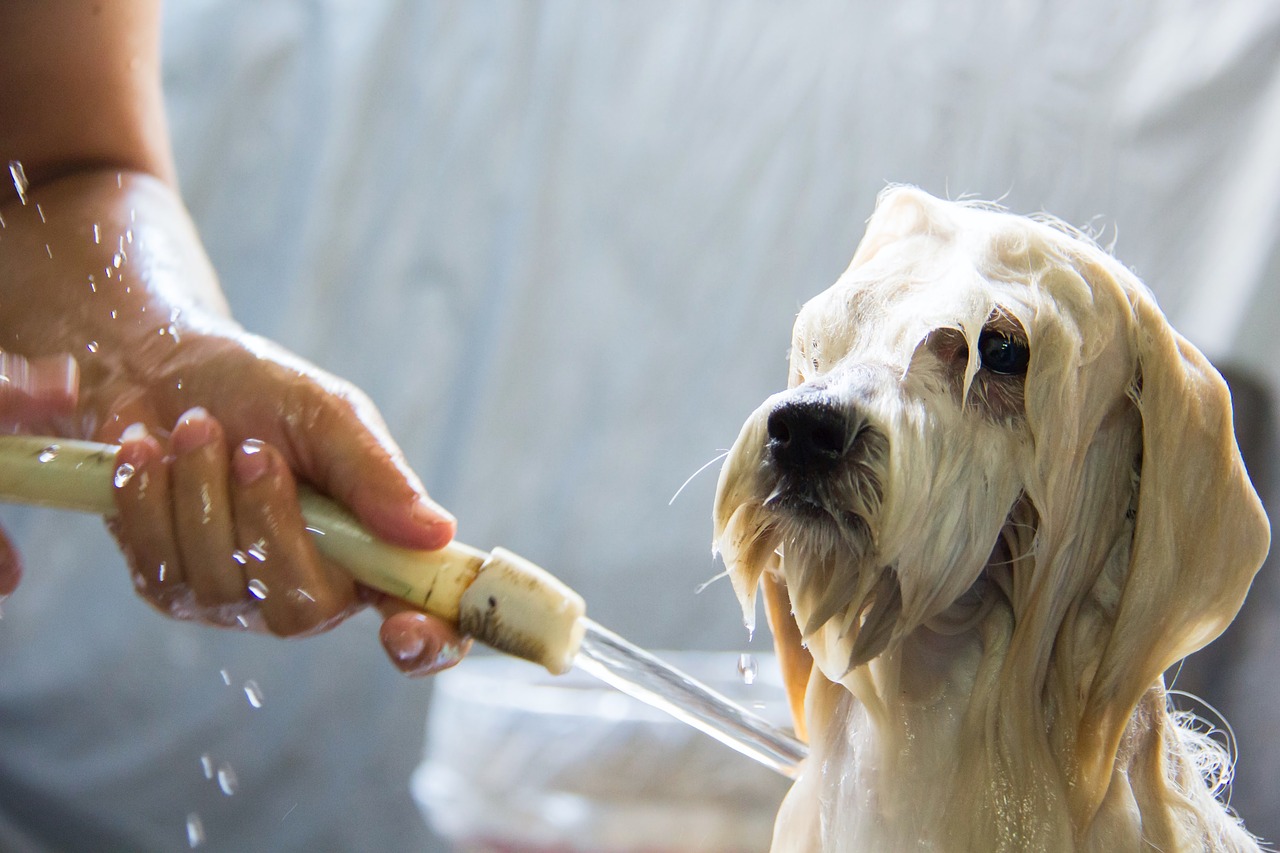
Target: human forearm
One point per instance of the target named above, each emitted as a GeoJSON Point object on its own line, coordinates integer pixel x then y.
{"type": "Point", "coordinates": [80, 88]}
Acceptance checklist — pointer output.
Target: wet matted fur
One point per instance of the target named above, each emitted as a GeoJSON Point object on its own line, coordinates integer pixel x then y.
{"type": "Point", "coordinates": [1000, 497]}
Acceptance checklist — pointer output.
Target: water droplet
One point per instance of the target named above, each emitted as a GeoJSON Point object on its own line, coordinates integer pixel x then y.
{"type": "Point", "coordinates": [257, 589]}
{"type": "Point", "coordinates": [206, 764]}
{"type": "Point", "coordinates": [92, 346]}
{"type": "Point", "coordinates": [48, 251]}
{"type": "Point", "coordinates": [164, 569]}
{"type": "Point", "coordinates": [49, 454]}
{"type": "Point", "coordinates": [97, 234]}
{"type": "Point", "coordinates": [117, 259]}
{"type": "Point", "coordinates": [114, 313]}
{"type": "Point", "coordinates": [110, 274]}
{"type": "Point", "coordinates": [119, 181]}
{"type": "Point", "coordinates": [253, 693]}
{"type": "Point", "coordinates": [20, 182]}
{"type": "Point", "coordinates": [244, 623]}
{"type": "Point", "coordinates": [206, 498]}
{"type": "Point", "coordinates": [258, 550]}
{"type": "Point", "coordinates": [314, 531]}
{"type": "Point", "coordinates": [748, 668]}
{"type": "Point", "coordinates": [40, 213]}
{"type": "Point", "coordinates": [195, 830]}
{"type": "Point", "coordinates": [128, 235]}
{"type": "Point", "coordinates": [227, 779]}
{"type": "Point", "coordinates": [124, 474]}
{"type": "Point", "coordinates": [226, 677]}
{"type": "Point", "coordinates": [302, 593]}
{"type": "Point", "coordinates": [239, 557]}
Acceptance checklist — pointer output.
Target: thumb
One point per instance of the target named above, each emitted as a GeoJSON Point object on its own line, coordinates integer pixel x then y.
{"type": "Point", "coordinates": [347, 452]}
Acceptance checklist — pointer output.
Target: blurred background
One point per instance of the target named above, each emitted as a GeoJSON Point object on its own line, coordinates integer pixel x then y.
{"type": "Point", "coordinates": [561, 245]}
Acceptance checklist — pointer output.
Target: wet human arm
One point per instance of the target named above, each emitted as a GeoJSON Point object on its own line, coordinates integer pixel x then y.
{"type": "Point", "coordinates": [99, 259]}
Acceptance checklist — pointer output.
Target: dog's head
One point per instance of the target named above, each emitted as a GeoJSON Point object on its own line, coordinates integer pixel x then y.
{"type": "Point", "coordinates": [990, 421]}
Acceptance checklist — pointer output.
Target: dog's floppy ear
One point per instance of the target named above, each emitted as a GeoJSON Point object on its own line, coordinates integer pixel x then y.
{"type": "Point", "coordinates": [1200, 533]}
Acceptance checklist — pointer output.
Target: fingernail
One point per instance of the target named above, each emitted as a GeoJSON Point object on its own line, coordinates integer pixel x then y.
{"type": "Point", "coordinates": [427, 511]}
{"type": "Point", "coordinates": [405, 641]}
{"type": "Point", "coordinates": [250, 462]}
{"type": "Point", "coordinates": [193, 431]}
{"type": "Point", "coordinates": [449, 655]}
{"type": "Point", "coordinates": [134, 432]}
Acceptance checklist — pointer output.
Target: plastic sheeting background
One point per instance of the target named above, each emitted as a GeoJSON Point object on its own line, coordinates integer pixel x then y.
{"type": "Point", "coordinates": [561, 245]}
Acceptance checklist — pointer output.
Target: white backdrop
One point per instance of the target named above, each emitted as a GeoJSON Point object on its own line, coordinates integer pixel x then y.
{"type": "Point", "coordinates": [561, 245]}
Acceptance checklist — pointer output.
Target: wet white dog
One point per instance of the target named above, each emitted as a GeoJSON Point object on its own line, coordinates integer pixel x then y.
{"type": "Point", "coordinates": [1000, 498]}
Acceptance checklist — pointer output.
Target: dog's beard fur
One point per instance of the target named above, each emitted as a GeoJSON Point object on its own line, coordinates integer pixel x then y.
{"type": "Point", "coordinates": [964, 563]}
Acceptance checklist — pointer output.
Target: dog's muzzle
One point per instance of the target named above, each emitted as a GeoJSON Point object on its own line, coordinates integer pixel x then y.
{"type": "Point", "coordinates": [827, 459]}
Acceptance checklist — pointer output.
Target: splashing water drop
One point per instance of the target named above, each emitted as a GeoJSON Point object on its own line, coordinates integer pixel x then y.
{"type": "Point", "coordinates": [748, 668]}
{"type": "Point", "coordinates": [124, 474]}
{"type": "Point", "coordinates": [226, 677]}
{"type": "Point", "coordinates": [117, 259]}
{"type": "Point", "coordinates": [258, 550]}
{"type": "Point", "coordinates": [227, 779]}
{"type": "Point", "coordinates": [92, 346]}
{"type": "Point", "coordinates": [48, 251]}
{"type": "Point", "coordinates": [253, 693]}
{"type": "Point", "coordinates": [195, 831]}
{"type": "Point", "coordinates": [97, 234]}
{"type": "Point", "coordinates": [20, 182]}
{"type": "Point", "coordinates": [40, 213]}
{"type": "Point", "coordinates": [257, 589]}
{"type": "Point", "coordinates": [128, 235]}
{"type": "Point", "coordinates": [163, 570]}
{"type": "Point", "coordinates": [239, 557]}
{"type": "Point", "coordinates": [206, 764]}
{"type": "Point", "coordinates": [49, 454]}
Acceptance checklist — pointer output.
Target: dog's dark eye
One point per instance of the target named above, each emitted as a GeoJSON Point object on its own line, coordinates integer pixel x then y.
{"type": "Point", "coordinates": [1002, 354]}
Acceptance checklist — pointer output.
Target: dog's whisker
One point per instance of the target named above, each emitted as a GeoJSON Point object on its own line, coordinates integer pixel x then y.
{"type": "Point", "coordinates": [692, 476]}
{"type": "Point", "coordinates": [709, 581]}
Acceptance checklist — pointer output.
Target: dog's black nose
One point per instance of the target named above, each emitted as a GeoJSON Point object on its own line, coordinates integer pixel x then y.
{"type": "Point", "coordinates": [807, 435]}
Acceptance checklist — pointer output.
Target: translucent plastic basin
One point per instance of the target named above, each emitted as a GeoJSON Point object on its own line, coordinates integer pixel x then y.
{"type": "Point", "coordinates": [519, 760]}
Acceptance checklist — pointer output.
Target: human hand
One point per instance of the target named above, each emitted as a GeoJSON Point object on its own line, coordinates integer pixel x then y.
{"type": "Point", "coordinates": [216, 425]}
